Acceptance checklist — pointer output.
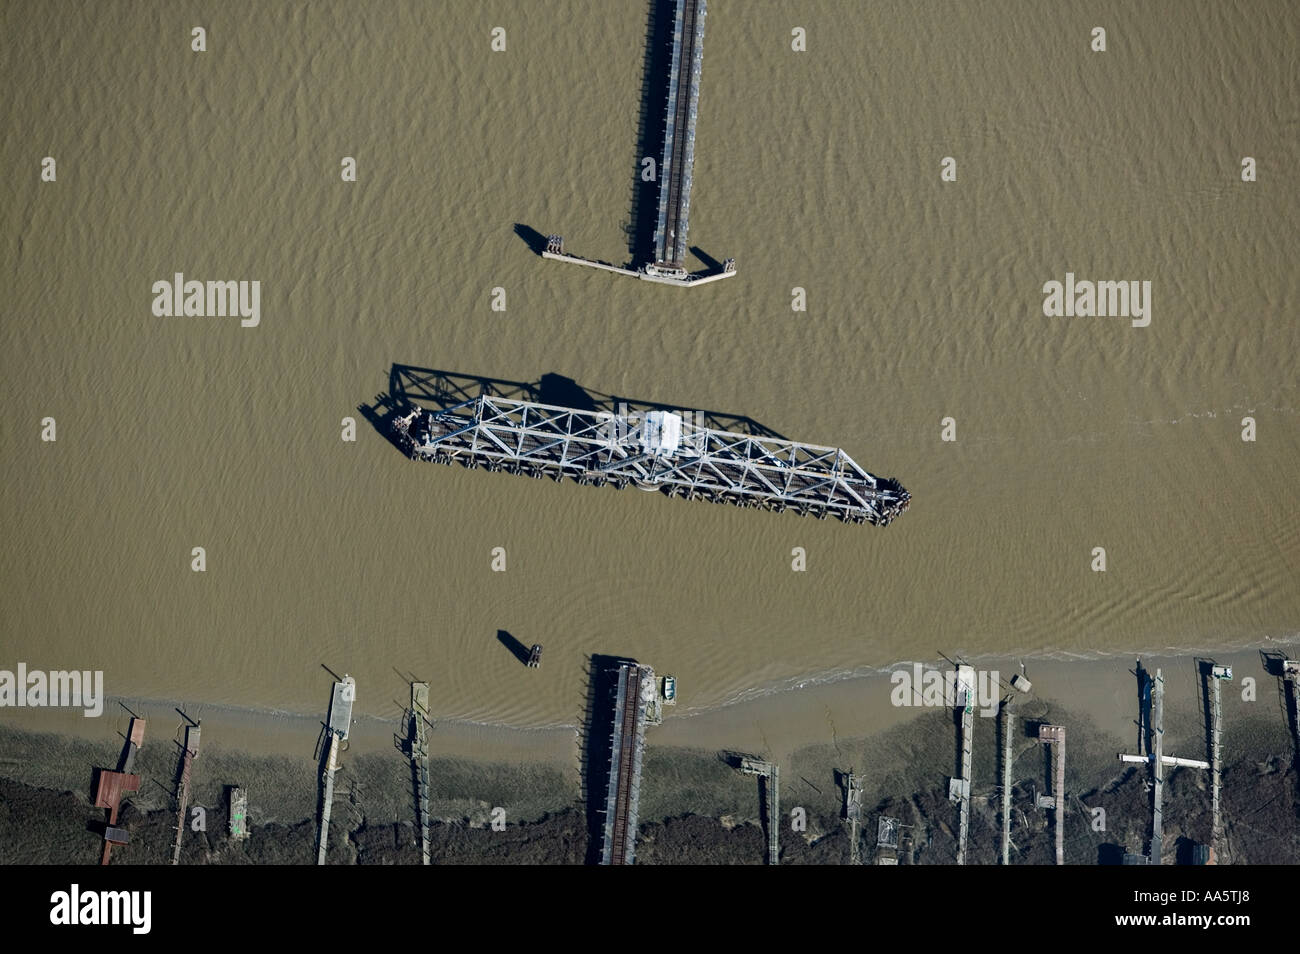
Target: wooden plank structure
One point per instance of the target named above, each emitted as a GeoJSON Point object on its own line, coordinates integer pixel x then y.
{"type": "Point", "coordinates": [1054, 736]}
{"type": "Point", "coordinates": [340, 723]}
{"type": "Point", "coordinates": [188, 755]}
{"type": "Point", "coordinates": [636, 696]}
{"type": "Point", "coordinates": [679, 139]}
{"type": "Point", "coordinates": [1217, 675]}
{"type": "Point", "coordinates": [113, 785]}
{"type": "Point", "coordinates": [675, 171]}
{"type": "Point", "coordinates": [853, 815]}
{"type": "Point", "coordinates": [1157, 760]}
{"type": "Point", "coordinates": [1158, 769]}
{"type": "Point", "coordinates": [959, 788]}
{"type": "Point", "coordinates": [1290, 671]}
{"type": "Point", "coordinates": [1004, 715]}
{"type": "Point", "coordinates": [769, 774]}
{"type": "Point", "coordinates": [134, 742]}
{"type": "Point", "coordinates": [1291, 674]}
{"type": "Point", "coordinates": [419, 748]}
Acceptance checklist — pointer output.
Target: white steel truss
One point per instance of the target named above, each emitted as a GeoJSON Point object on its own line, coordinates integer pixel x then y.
{"type": "Point", "coordinates": [653, 449]}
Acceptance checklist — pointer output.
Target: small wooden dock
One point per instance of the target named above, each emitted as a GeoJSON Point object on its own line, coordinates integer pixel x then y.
{"type": "Point", "coordinates": [1217, 675]}
{"type": "Point", "coordinates": [959, 788]}
{"type": "Point", "coordinates": [1155, 757]}
{"type": "Point", "coordinates": [1158, 770]}
{"type": "Point", "coordinates": [1004, 725]}
{"type": "Point", "coordinates": [338, 726]}
{"type": "Point", "coordinates": [633, 699]}
{"type": "Point", "coordinates": [769, 774]}
{"type": "Point", "coordinates": [1290, 669]}
{"type": "Point", "coordinates": [1054, 736]}
{"type": "Point", "coordinates": [419, 748]}
{"type": "Point", "coordinates": [113, 785]}
{"type": "Point", "coordinates": [853, 815]}
{"type": "Point", "coordinates": [188, 755]}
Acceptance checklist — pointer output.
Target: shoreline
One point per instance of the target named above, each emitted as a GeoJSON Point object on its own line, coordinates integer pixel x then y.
{"type": "Point", "coordinates": [777, 720]}
{"type": "Point", "coordinates": [695, 806]}
{"type": "Point", "coordinates": [281, 731]}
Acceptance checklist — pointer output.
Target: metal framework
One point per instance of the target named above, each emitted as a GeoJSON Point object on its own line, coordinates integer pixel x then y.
{"type": "Point", "coordinates": [654, 449]}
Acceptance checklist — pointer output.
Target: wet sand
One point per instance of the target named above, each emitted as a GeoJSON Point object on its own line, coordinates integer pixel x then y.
{"type": "Point", "coordinates": [818, 729]}
{"type": "Point", "coordinates": [815, 732]}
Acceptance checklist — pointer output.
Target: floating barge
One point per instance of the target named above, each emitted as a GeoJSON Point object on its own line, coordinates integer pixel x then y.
{"type": "Point", "coordinates": [655, 450]}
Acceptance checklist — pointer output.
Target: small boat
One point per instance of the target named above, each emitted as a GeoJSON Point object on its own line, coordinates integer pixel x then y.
{"type": "Point", "coordinates": [670, 689]}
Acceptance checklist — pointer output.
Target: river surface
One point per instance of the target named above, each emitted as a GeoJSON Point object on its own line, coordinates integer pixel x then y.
{"type": "Point", "coordinates": [818, 170]}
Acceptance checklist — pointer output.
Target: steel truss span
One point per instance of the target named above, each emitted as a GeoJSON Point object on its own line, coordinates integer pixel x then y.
{"type": "Point", "coordinates": [655, 450]}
